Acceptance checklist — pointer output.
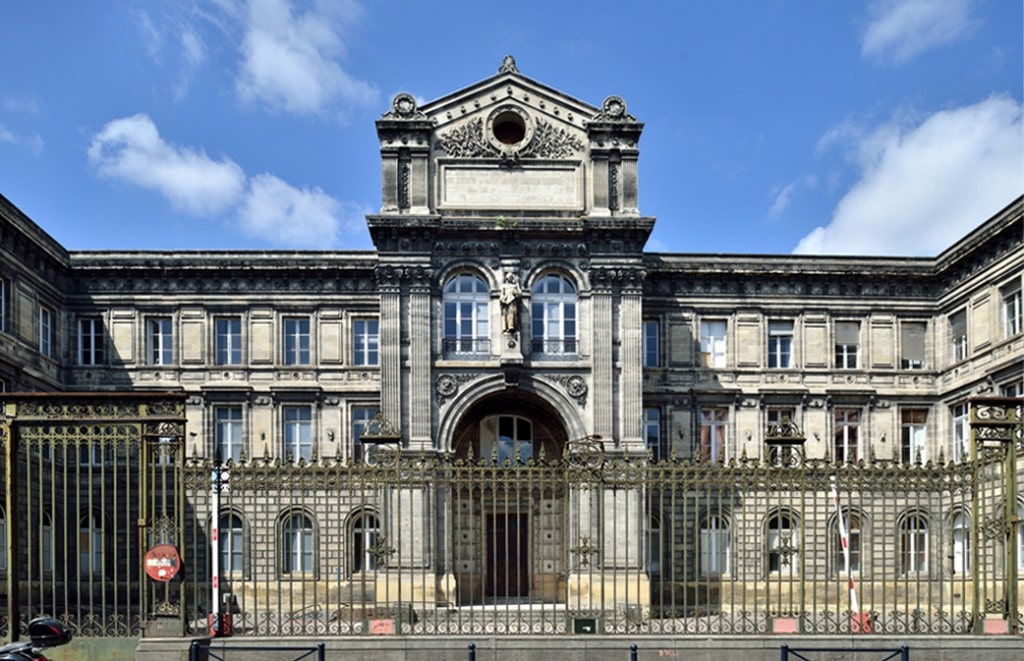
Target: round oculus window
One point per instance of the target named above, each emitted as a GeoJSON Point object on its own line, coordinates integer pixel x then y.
{"type": "Point", "coordinates": [509, 128]}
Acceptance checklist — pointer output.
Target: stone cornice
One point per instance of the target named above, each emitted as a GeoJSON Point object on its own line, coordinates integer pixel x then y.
{"type": "Point", "coordinates": [23, 240]}
{"type": "Point", "coordinates": [778, 276]}
{"type": "Point", "coordinates": [236, 274]}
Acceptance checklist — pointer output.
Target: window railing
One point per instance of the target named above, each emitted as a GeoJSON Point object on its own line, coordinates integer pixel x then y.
{"type": "Point", "coordinates": [467, 346]}
{"type": "Point", "coordinates": [555, 347]}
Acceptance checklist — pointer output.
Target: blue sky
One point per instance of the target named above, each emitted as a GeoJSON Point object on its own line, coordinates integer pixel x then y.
{"type": "Point", "coordinates": [877, 127]}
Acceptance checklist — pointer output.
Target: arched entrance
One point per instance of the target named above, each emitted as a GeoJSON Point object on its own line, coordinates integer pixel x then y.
{"type": "Point", "coordinates": [508, 499]}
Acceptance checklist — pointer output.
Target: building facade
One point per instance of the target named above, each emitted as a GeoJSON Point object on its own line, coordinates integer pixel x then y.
{"type": "Point", "coordinates": [509, 403]}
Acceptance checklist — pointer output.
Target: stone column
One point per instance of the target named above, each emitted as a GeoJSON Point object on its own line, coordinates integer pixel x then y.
{"type": "Point", "coordinates": [390, 351]}
{"type": "Point", "coordinates": [603, 356]}
{"type": "Point", "coordinates": [631, 325]}
{"type": "Point", "coordinates": [420, 389]}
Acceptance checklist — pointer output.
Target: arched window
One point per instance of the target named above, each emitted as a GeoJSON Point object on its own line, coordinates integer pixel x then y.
{"type": "Point", "coordinates": [46, 545]}
{"type": "Point", "coordinates": [231, 533]}
{"type": "Point", "coordinates": [506, 438]}
{"type": "Point", "coordinates": [714, 546]}
{"type": "Point", "coordinates": [853, 541]}
{"type": "Point", "coordinates": [466, 318]}
{"type": "Point", "coordinates": [90, 544]}
{"type": "Point", "coordinates": [3, 540]}
{"type": "Point", "coordinates": [365, 532]}
{"type": "Point", "coordinates": [553, 314]}
{"type": "Point", "coordinates": [914, 543]}
{"type": "Point", "coordinates": [654, 537]}
{"type": "Point", "coordinates": [297, 544]}
{"type": "Point", "coordinates": [961, 534]}
{"type": "Point", "coordinates": [1020, 537]}
{"type": "Point", "coordinates": [781, 541]}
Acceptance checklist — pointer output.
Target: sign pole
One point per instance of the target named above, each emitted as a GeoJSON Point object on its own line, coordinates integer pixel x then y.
{"type": "Point", "coordinates": [215, 624]}
{"type": "Point", "coordinates": [845, 543]}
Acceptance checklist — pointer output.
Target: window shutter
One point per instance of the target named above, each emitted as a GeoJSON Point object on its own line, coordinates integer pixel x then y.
{"type": "Point", "coordinates": [847, 332]}
{"type": "Point", "coordinates": [913, 341]}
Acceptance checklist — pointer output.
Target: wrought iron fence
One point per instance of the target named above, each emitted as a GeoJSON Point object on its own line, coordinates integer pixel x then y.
{"type": "Point", "coordinates": [591, 541]}
{"type": "Point", "coordinates": [596, 542]}
{"type": "Point", "coordinates": [90, 483]}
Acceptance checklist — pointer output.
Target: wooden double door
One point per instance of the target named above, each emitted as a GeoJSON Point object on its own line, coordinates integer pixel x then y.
{"type": "Point", "coordinates": [508, 555]}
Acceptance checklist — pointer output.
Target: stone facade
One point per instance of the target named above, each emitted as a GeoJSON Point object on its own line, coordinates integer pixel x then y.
{"type": "Point", "coordinates": [510, 182]}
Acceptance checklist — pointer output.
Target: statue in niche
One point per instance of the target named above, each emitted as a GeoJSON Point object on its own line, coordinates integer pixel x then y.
{"type": "Point", "coordinates": [509, 299]}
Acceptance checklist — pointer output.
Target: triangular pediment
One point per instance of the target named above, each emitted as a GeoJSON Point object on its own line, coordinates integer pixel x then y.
{"type": "Point", "coordinates": [554, 123]}
{"type": "Point", "coordinates": [509, 145]}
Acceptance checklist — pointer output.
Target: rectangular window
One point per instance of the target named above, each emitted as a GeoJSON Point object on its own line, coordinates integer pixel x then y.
{"type": "Point", "coordinates": [776, 419]}
{"type": "Point", "coordinates": [228, 340]}
{"type": "Point", "coordinates": [958, 336]}
{"type": "Point", "coordinates": [912, 436]}
{"type": "Point", "coordinates": [1011, 310]}
{"type": "Point", "coordinates": [652, 345]}
{"type": "Point", "coordinates": [46, 331]}
{"type": "Point", "coordinates": [712, 434]}
{"type": "Point", "coordinates": [227, 433]}
{"type": "Point", "coordinates": [847, 343]}
{"type": "Point", "coordinates": [776, 415]}
{"type": "Point", "coordinates": [361, 416]}
{"type": "Point", "coordinates": [91, 342]}
{"type": "Point", "coordinates": [296, 341]}
{"type": "Point", "coordinates": [712, 343]}
{"type": "Point", "coordinates": [780, 344]}
{"type": "Point", "coordinates": [961, 432]}
{"type": "Point", "coordinates": [5, 305]}
{"type": "Point", "coordinates": [298, 434]}
{"type": "Point", "coordinates": [652, 433]}
{"type": "Point", "coordinates": [912, 335]}
{"type": "Point", "coordinates": [1015, 389]}
{"type": "Point", "coordinates": [158, 341]}
{"type": "Point", "coordinates": [847, 435]}
{"type": "Point", "coordinates": [914, 544]}
{"type": "Point", "coordinates": [90, 454]}
{"type": "Point", "coordinates": [366, 342]}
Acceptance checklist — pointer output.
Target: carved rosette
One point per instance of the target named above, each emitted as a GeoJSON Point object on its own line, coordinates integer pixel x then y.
{"type": "Point", "coordinates": [575, 386]}
{"type": "Point", "coordinates": [447, 386]}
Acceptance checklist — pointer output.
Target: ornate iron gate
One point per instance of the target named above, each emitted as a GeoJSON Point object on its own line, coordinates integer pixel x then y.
{"type": "Point", "coordinates": [91, 482]}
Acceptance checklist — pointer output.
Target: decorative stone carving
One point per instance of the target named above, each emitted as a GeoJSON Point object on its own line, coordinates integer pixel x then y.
{"type": "Point", "coordinates": [467, 141]}
{"type": "Point", "coordinates": [614, 110]}
{"type": "Point", "coordinates": [388, 275]}
{"type": "Point", "coordinates": [508, 65]}
{"type": "Point", "coordinates": [447, 385]}
{"type": "Point", "coordinates": [551, 142]}
{"type": "Point", "coordinates": [543, 140]}
{"type": "Point", "coordinates": [574, 385]}
{"type": "Point", "coordinates": [403, 106]}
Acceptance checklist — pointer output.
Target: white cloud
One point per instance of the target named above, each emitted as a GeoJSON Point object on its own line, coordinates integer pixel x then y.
{"type": "Point", "coordinates": [131, 150]}
{"type": "Point", "coordinates": [298, 217]}
{"type": "Point", "coordinates": [34, 142]}
{"type": "Point", "coordinates": [923, 186]}
{"type": "Point", "coordinates": [902, 29]}
{"type": "Point", "coordinates": [291, 60]}
{"type": "Point", "coordinates": [784, 195]}
{"type": "Point", "coordinates": [26, 104]}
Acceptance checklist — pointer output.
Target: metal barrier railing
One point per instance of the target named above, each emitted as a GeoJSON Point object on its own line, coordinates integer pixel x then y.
{"type": "Point", "coordinates": [903, 652]}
